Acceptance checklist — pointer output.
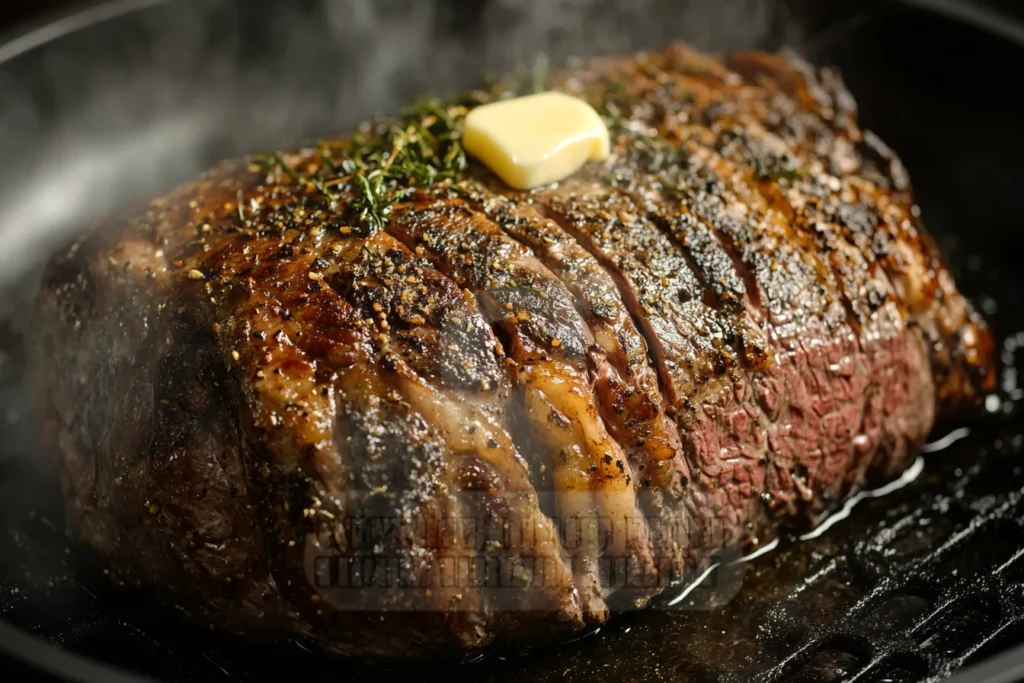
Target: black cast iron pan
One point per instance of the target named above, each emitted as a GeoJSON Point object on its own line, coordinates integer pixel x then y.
{"type": "Point", "coordinates": [121, 99]}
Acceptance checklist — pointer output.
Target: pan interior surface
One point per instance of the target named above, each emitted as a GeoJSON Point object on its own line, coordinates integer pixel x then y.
{"type": "Point", "coordinates": [913, 585]}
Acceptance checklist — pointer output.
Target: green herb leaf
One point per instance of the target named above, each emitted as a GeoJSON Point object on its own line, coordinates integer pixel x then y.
{"type": "Point", "coordinates": [387, 161]}
{"type": "Point", "coordinates": [782, 173]}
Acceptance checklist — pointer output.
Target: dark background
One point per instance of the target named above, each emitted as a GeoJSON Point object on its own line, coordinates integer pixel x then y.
{"type": "Point", "coordinates": [14, 11]}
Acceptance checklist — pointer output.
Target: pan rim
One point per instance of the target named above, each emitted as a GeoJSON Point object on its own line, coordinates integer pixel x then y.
{"type": "Point", "coordinates": [977, 16]}
{"type": "Point", "coordinates": [54, 25]}
{"type": "Point", "coordinates": [25, 37]}
{"type": "Point", "coordinates": [66, 665]}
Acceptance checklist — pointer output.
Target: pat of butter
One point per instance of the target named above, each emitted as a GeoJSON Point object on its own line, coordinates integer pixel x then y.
{"type": "Point", "coordinates": [537, 139]}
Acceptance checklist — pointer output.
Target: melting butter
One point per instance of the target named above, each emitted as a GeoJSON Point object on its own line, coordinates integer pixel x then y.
{"type": "Point", "coordinates": [537, 139]}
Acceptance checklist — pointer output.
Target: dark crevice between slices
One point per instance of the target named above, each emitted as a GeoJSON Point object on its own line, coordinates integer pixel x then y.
{"type": "Point", "coordinates": [690, 231]}
{"type": "Point", "coordinates": [657, 285]}
{"type": "Point", "coordinates": [823, 223]}
{"type": "Point", "coordinates": [764, 189]}
{"type": "Point", "coordinates": [730, 231]}
{"type": "Point", "coordinates": [654, 347]}
{"type": "Point", "coordinates": [730, 288]}
{"type": "Point", "coordinates": [772, 195]}
{"type": "Point", "coordinates": [651, 191]}
{"type": "Point", "coordinates": [876, 177]}
{"type": "Point", "coordinates": [750, 285]}
{"type": "Point", "coordinates": [756, 175]}
{"type": "Point", "coordinates": [547, 340]}
{"type": "Point", "coordinates": [734, 302]}
{"type": "Point", "coordinates": [627, 385]}
{"type": "Point", "coordinates": [825, 133]}
{"type": "Point", "coordinates": [621, 347]}
{"type": "Point", "coordinates": [812, 112]}
{"type": "Point", "coordinates": [713, 212]}
{"type": "Point", "coordinates": [849, 280]}
{"type": "Point", "coordinates": [767, 196]}
{"type": "Point", "coordinates": [324, 504]}
{"type": "Point", "coordinates": [762, 169]}
{"type": "Point", "coordinates": [609, 225]}
{"type": "Point", "coordinates": [463, 396]}
{"type": "Point", "coordinates": [664, 512]}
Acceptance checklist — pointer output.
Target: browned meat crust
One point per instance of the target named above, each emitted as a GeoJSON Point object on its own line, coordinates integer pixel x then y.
{"type": "Point", "coordinates": [734, 322]}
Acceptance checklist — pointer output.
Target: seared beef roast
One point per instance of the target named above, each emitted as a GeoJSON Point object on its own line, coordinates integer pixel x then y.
{"type": "Point", "coordinates": [362, 392]}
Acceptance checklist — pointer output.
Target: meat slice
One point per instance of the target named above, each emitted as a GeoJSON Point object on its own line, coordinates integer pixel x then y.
{"type": "Point", "coordinates": [776, 177]}
{"type": "Point", "coordinates": [626, 386]}
{"type": "Point", "coordinates": [630, 399]}
{"type": "Point", "coordinates": [365, 395]}
{"type": "Point", "coordinates": [698, 355]}
{"type": "Point", "coordinates": [546, 336]}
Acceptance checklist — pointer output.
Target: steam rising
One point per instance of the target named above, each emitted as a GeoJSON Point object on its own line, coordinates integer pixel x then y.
{"type": "Point", "coordinates": [109, 115]}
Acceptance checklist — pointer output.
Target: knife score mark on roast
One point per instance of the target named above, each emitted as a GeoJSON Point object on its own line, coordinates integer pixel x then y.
{"type": "Point", "coordinates": [694, 343]}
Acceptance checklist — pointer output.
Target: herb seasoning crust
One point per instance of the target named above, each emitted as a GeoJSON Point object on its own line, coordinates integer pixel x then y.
{"type": "Point", "coordinates": [730, 325]}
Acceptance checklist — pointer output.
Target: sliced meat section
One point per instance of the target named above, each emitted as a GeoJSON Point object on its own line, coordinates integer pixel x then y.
{"type": "Point", "coordinates": [364, 395]}
{"type": "Point", "coordinates": [627, 387]}
{"type": "Point", "coordinates": [695, 348]}
{"type": "Point", "coordinates": [548, 341]}
{"type": "Point", "coordinates": [630, 397]}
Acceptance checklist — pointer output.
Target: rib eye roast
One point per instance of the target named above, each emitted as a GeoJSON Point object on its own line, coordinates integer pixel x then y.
{"type": "Point", "coordinates": [363, 393]}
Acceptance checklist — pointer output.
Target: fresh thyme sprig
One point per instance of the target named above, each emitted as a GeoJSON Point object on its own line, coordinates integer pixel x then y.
{"type": "Point", "coordinates": [387, 161]}
{"type": "Point", "coordinates": [657, 154]}
{"type": "Point", "coordinates": [373, 202]}
{"type": "Point", "coordinates": [780, 172]}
